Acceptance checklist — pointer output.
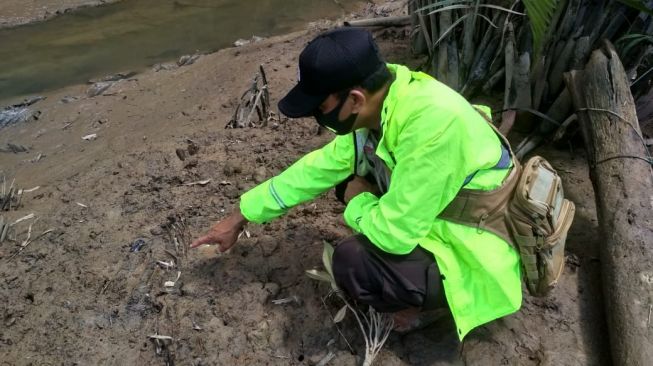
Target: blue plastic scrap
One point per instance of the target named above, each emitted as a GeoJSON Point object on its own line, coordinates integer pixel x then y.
{"type": "Point", "coordinates": [137, 245]}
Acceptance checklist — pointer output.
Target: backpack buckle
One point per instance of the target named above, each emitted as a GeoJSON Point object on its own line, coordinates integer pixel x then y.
{"type": "Point", "coordinates": [481, 223]}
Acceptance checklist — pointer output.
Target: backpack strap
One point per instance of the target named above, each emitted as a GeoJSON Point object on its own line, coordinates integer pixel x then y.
{"type": "Point", "coordinates": [487, 210]}
{"type": "Point", "coordinates": [504, 163]}
{"type": "Point", "coordinates": [506, 151]}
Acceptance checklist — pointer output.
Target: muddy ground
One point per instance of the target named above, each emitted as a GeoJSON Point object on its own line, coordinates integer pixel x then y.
{"type": "Point", "coordinates": [77, 295]}
{"type": "Point", "coordinates": [19, 12]}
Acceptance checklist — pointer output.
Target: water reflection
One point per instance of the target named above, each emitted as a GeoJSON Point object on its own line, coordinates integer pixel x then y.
{"type": "Point", "coordinates": [134, 34]}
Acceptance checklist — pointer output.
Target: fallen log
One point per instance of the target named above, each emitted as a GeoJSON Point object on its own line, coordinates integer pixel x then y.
{"type": "Point", "coordinates": [623, 185]}
{"type": "Point", "coordinates": [379, 22]}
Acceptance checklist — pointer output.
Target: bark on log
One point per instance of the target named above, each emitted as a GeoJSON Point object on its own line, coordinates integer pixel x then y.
{"type": "Point", "coordinates": [623, 186]}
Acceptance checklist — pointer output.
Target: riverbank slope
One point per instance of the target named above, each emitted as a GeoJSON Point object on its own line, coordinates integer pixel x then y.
{"type": "Point", "coordinates": [79, 295]}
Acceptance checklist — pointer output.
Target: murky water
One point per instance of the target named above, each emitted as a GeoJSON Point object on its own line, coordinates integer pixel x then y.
{"type": "Point", "coordinates": [134, 34]}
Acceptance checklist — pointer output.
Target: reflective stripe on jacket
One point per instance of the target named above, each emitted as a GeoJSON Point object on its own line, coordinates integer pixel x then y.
{"type": "Point", "coordinates": [432, 139]}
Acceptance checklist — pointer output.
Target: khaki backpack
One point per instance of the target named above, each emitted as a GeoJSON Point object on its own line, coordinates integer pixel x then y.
{"type": "Point", "coordinates": [529, 211]}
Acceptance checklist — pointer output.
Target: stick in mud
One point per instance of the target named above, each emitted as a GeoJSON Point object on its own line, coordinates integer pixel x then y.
{"type": "Point", "coordinates": [28, 241]}
{"type": "Point", "coordinates": [351, 349]}
{"type": "Point", "coordinates": [12, 198]}
{"type": "Point", "coordinates": [4, 228]}
{"type": "Point", "coordinates": [179, 236]}
{"type": "Point", "coordinates": [254, 99]}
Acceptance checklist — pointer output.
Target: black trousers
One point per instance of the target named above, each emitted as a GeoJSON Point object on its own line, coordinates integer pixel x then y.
{"type": "Point", "coordinates": [385, 281]}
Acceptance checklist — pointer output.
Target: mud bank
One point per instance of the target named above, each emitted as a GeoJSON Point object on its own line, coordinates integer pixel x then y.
{"type": "Point", "coordinates": [79, 295]}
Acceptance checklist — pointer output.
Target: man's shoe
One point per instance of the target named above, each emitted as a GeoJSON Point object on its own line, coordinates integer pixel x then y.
{"type": "Point", "coordinates": [412, 319]}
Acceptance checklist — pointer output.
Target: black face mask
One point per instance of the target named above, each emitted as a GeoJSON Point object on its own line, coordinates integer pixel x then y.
{"type": "Point", "coordinates": [331, 122]}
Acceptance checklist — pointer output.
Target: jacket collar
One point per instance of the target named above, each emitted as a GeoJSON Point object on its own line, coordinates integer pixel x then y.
{"type": "Point", "coordinates": [397, 89]}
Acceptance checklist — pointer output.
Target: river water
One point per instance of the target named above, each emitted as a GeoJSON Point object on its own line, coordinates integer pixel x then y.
{"type": "Point", "coordinates": [135, 34]}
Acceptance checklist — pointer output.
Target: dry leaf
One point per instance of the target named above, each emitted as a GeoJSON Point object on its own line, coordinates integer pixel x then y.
{"type": "Point", "coordinates": [198, 183]}
{"type": "Point", "coordinates": [160, 337]}
{"type": "Point", "coordinates": [172, 283]}
{"type": "Point", "coordinates": [340, 315]}
{"type": "Point", "coordinates": [31, 189]}
{"type": "Point", "coordinates": [318, 275]}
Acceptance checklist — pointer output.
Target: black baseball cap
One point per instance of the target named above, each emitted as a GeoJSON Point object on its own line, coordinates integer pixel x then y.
{"type": "Point", "coordinates": [332, 62]}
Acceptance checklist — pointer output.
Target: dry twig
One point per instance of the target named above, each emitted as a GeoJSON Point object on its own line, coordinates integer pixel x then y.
{"type": "Point", "coordinates": [375, 326]}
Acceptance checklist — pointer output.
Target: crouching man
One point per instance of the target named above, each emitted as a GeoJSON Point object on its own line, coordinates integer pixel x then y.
{"type": "Point", "coordinates": [406, 144]}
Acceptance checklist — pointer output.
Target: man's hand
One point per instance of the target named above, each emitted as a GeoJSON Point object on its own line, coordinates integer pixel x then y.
{"type": "Point", "coordinates": [357, 186]}
{"type": "Point", "coordinates": [224, 233]}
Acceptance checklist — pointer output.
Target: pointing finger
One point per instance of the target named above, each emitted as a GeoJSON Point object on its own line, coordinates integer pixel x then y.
{"type": "Point", "coordinates": [207, 239]}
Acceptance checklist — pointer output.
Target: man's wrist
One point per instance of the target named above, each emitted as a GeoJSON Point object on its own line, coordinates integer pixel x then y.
{"type": "Point", "coordinates": [237, 217]}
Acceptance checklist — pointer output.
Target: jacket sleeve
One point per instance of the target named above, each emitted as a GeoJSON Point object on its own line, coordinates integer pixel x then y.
{"type": "Point", "coordinates": [307, 178]}
{"type": "Point", "coordinates": [429, 171]}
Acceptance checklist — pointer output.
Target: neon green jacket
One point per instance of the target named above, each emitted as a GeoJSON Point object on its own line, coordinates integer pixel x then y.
{"type": "Point", "coordinates": [436, 139]}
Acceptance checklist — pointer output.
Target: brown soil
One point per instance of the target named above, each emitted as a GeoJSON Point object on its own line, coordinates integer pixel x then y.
{"type": "Point", "coordinates": [79, 296]}
{"type": "Point", "coordinates": [18, 12]}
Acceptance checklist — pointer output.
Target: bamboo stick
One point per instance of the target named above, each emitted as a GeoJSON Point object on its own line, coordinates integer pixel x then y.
{"type": "Point", "coordinates": [560, 66]}
{"type": "Point", "coordinates": [443, 50]}
{"type": "Point", "coordinates": [581, 53]}
{"type": "Point", "coordinates": [559, 110]}
{"type": "Point", "coordinates": [617, 19]}
{"type": "Point", "coordinates": [510, 64]}
{"type": "Point", "coordinates": [433, 23]}
{"type": "Point", "coordinates": [468, 43]}
{"type": "Point", "coordinates": [545, 56]}
{"type": "Point", "coordinates": [454, 65]}
{"type": "Point", "coordinates": [493, 80]}
{"type": "Point", "coordinates": [425, 31]}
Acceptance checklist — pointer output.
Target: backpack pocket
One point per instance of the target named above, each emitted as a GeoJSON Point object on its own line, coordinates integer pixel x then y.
{"type": "Point", "coordinates": [551, 257]}
{"type": "Point", "coordinates": [540, 218]}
